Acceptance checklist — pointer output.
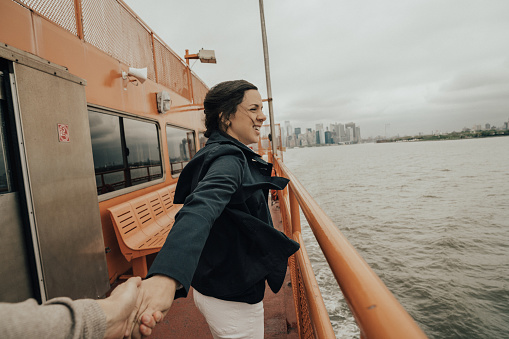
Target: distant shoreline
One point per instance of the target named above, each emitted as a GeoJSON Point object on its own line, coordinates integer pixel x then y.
{"type": "Point", "coordinates": [450, 136]}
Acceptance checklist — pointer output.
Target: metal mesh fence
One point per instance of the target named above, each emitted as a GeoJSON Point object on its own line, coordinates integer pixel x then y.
{"type": "Point", "coordinates": [111, 28]}
{"type": "Point", "coordinates": [60, 12]}
{"type": "Point", "coordinates": [171, 72]}
{"type": "Point", "coordinates": [304, 324]}
{"type": "Point", "coordinates": [304, 320]}
{"type": "Point", "coordinates": [199, 90]}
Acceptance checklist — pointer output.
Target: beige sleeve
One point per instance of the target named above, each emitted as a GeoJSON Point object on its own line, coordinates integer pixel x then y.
{"type": "Point", "coordinates": [57, 318]}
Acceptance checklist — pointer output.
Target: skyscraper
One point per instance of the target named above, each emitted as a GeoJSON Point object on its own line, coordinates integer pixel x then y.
{"type": "Point", "coordinates": [351, 134]}
{"type": "Point", "coordinates": [328, 137]}
{"type": "Point", "coordinates": [286, 133]}
{"type": "Point", "coordinates": [357, 134]}
{"type": "Point", "coordinates": [320, 135]}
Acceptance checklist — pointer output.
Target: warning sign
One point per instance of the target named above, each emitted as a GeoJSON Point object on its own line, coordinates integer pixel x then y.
{"type": "Point", "coordinates": [63, 133]}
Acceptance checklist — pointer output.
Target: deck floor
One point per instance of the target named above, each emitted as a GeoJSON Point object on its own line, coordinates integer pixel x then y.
{"type": "Point", "coordinates": [184, 320]}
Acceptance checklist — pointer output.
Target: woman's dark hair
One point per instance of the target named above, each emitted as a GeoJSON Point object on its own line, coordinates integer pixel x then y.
{"type": "Point", "coordinates": [221, 102]}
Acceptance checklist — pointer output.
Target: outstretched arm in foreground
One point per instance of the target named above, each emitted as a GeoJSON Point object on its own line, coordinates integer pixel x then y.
{"type": "Point", "coordinates": [79, 319]}
{"type": "Point", "coordinates": [154, 301]}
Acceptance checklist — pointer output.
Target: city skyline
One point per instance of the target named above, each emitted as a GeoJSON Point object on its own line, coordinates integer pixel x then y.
{"type": "Point", "coordinates": [336, 133]}
{"type": "Point", "coordinates": [349, 133]}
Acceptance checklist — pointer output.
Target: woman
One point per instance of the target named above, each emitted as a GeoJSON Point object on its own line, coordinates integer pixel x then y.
{"type": "Point", "coordinates": [223, 242]}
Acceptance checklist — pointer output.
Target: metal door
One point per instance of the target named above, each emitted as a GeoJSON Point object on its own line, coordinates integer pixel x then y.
{"type": "Point", "coordinates": [16, 276]}
{"type": "Point", "coordinates": [57, 169]}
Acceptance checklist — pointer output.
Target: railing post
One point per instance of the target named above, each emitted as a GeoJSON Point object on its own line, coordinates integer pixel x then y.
{"type": "Point", "coordinates": [154, 56]}
{"type": "Point", "coordinates": [294, 211]}
{"type": "Point", "coordinates": [280, 143]}
{"type": "Point", "coordinates": [284, 206]}
{"type": "Point", "coordinates": [189, 79]}
{"type": "Point", "coordinates": [79, 22]}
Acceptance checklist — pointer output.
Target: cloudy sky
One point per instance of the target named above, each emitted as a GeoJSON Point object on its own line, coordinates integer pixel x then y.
{"type": "Point", "coordinates": [395, 66]}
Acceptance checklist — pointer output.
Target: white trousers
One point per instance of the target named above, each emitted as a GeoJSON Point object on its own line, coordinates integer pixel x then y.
{"type": "Point", "coordinates": [230, 319]}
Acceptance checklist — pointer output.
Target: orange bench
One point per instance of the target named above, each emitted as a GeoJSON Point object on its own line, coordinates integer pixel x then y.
{"type": "Point", "coordinates": [142, 224]}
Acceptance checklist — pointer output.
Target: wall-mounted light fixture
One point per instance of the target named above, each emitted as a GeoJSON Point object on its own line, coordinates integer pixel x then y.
{"type": "Point", "coordinates": [207, 56]}
{"type": "Point", "coordinates": [163, 102]}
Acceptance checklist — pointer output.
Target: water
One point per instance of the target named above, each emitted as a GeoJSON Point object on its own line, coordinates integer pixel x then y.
{"type": "Point", "coordinates": [431, 219]}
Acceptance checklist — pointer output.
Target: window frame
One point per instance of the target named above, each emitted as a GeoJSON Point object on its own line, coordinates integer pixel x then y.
{"type": "Point", "coordinates": [196, 149]}
{"type": "Point", "coordinates": [133, 188]}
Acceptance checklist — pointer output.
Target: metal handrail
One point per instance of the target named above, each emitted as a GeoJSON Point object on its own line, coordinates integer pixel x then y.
{"type": "Point", "coordinates": [377, 312]}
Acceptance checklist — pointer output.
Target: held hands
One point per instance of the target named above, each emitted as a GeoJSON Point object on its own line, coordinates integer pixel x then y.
{"type": "Point", "coordinates": [155, 298]}
{"type": "Point", "coordinates": [118, 307]}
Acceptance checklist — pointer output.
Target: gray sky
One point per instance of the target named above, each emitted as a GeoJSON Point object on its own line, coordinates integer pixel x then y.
{"type": "Point", "coordinates": [413, 65]}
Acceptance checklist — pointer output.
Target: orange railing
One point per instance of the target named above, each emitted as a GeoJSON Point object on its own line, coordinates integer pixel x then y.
{"type": "Point", "coordinates": [377, 312]}
{"type": "Point", "coordinates": [112, 27]}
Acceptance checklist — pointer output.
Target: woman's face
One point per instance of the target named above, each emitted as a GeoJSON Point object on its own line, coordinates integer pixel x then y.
{"type": "Point", "coordinates": [245, 124]}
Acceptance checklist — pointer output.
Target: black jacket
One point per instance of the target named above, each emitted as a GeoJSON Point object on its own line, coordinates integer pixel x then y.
{"type": "Point", "coordinates": [223, 242]}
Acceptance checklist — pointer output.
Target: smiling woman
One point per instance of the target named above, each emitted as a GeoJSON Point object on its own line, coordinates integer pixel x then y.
{"type": "Point", "coordinates": [223, 242]}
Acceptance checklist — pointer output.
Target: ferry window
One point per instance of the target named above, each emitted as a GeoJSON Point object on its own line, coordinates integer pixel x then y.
{"type": "Point", "coordinates": [144, 157]}
{"type": "Point", "coordinates": [181, 148]}
{"type": "Point", "coordinates": [126, 151]}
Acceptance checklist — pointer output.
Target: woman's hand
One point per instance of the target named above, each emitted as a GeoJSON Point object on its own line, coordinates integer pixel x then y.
{"type": "Point", "coordinates": [155, 298]}
{"type": "Point", "coordinates": [118, 307]}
